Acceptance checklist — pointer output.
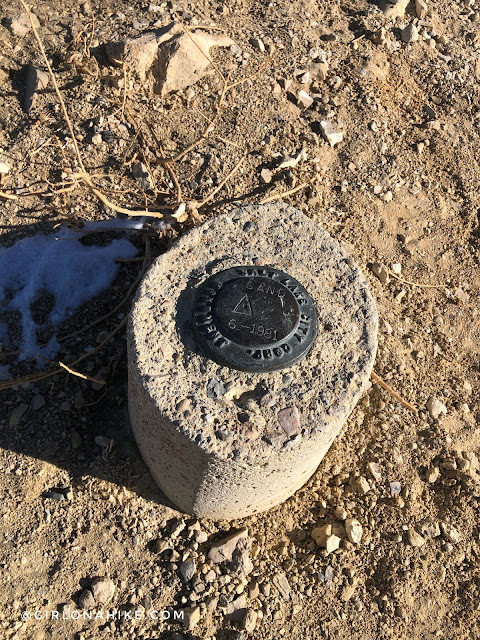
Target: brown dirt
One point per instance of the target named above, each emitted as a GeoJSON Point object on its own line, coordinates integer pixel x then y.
{"type": "Point", "coordinates": [384, 587]}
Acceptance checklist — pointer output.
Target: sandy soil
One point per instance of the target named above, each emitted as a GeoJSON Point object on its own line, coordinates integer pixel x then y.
{"type": "Point", "coordinates": [400, 189]}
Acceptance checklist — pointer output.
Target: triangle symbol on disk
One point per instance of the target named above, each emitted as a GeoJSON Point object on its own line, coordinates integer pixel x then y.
{"type": "Point", "coordinates": [244, 307]}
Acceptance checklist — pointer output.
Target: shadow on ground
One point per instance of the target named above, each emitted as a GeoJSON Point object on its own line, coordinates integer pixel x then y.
{"type": "Point", "coordinates": [65, 431]}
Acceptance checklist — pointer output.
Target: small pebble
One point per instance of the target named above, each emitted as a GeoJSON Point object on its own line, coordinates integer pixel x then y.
{"type": "Point", "coordinates": [258, 44]}
{"type": "Point", "coordinates": [414, 538]}
{"type": "Point", "coordinates": [266, 176]}
{"type": "Point", "coordinates": [37, 402]}
{"type": "Point", "coordinates": [432, 474]}
{"type": "Point", "coordinates": [450, 533]}
{"type": "Point", "coordinates": [381, 272]}
{"type": "Point", "coordinates": [362, 485]}
{"type": "Point", "coordinates": [304, 99]}
{"type": "Point", "coordinates": [436, 408]}
{"type": "Point", "coordinates": [17, 414]}
{"type": "Point", "coordinates": [331, 135]}
{"type": "Point", "coordinates": [289, 420]}
{"type": "Point", "coordinates": [410, 33]}
{"type": "Point", "coordinates": [354, 530]}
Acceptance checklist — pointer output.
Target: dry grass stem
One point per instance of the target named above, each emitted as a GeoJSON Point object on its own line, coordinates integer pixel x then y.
{"type": "Point", "coordinates": [223, 182]}
{"type": "Point", "coordinates": [417, 284]}
{"type": "Point", "coordinates": [80, 375]}
{"type": "Point", "coordinates": [376, 378]}
{"type": "Point", "coordinates": [277, 196]}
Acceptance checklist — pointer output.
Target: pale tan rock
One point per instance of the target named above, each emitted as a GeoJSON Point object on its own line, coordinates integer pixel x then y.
{"type": "Point", "coordinates": [395, 8]}
{"type": "Point", "coordinates": [176, 59]}
{"type": "Point", "coordinates": [324, 537]}
{"type": "Point", "coordinates": [224, 548]}
{"type": "Point", "coordinates": [414, 538]}
{"type": "Point", "coordinates": [191, 617]}
{"type": "Point", "coordinates": [354, 530]}
{"type": "Point", "coordinates": [103, 589]}
{"type": "Point", "coordinates": [450, 533]}
{"type": "Point", "coordinates": [432, 474]}
{"type": "Point", "coordinates": [320, 534]}
{"type": "Point", "coordinates": [421, 9]}
{"type": "Point", "coordinates": [20, 25]}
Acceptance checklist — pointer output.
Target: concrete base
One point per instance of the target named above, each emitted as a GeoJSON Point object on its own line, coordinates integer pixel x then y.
{"type": "Point", "coordinates": [215, 439]}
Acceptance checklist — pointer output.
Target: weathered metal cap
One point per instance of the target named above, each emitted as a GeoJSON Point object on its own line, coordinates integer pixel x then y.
{"type": "Point", "coordinates": [254, 319]}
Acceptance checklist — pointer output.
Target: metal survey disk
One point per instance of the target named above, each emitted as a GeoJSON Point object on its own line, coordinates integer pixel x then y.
{"type": "Point", "coordinates": [256, 319]}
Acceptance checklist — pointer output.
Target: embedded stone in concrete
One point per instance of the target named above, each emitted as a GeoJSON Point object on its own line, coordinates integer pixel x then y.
{"type": "Point", "coordinates": [226, 454]}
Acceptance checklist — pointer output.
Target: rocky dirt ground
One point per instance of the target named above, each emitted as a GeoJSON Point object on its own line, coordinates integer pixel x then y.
{"type": "Point", "coordinates": [378, 108]}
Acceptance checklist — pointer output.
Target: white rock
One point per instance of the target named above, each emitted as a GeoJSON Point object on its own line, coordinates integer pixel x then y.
{"type": "Point", "coordinates": [340, 513]}
{"type": "Point", "coordinates": [375, 470]}
{"type": "Point", "coordinates": [436, 408]}
{"type": "Point", "coordinates": [266, 176]}
{"type": "Point", "coordinates": [450, 533]}
{"type": "Point", "coordinates": [333, 543]}
{"type": "Point", "coordinates": [396, 267]}
{"type": "Point", "coordinates": [304, 78]}
{"type": "Point", "coordinates": [331, 135]}
{"type": "Point", "coordinates": [249, 621]}
{"type": "Point", "coordinates": [102, 589]}
{"type": "Point", "coordinates": [410, 33]}
{"type": "Point", "coordinates": [354, 530]}
{"type": "Point", "coordinates": [304, 100]}
{"type": "Point", "coordinates": [4, 168]}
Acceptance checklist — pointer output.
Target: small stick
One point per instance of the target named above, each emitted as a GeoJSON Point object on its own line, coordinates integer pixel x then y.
{"type": "Point", "coordinates": [80, 375]}
{"type": "Point", "coordinates": [8, 196]}
{"type": "Point", "coordinates": [357, 39]}
{"type": "Point", "coordinates": [222, 183]}
{"type": "Point", "coordinates": [417, 284]}
{"type": "Point", "coordinates": [276, 196]}
{"type": "Point", "coordinates": [125, 79]}
{"type": "Point", "coordinates": [376, 378]}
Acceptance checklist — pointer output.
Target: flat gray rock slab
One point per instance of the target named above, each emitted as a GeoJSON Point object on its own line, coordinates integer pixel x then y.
{"type": "Point", "coordinates": [212, 445]}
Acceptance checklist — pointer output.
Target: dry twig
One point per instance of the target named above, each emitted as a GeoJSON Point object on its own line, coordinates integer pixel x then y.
{"type": "Point", "coordinates": [80, 375]}
{"type": "Point", "coordinates": [417, 284]}
{"type": "Point", "coordinates": [376, 378]}
{"type": "Point", "coordinates": [276, 196]}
